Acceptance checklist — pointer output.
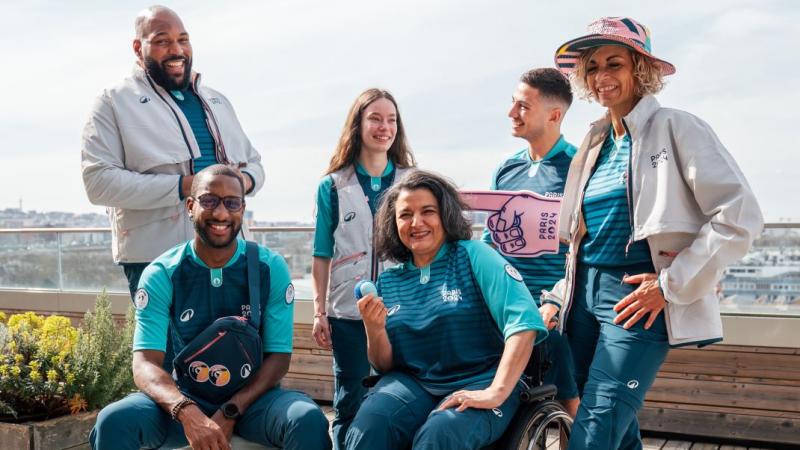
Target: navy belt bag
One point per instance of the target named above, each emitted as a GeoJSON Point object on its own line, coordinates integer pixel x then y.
{"type": "Point", "coordinates": [220, 360]}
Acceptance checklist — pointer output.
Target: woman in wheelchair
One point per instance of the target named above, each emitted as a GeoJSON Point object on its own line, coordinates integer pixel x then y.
{"type": "Point", "coordinates": [451, 330]}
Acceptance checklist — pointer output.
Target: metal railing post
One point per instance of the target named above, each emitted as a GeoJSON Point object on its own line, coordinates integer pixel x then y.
{"type": "Point", "coordinates": [60, 263]}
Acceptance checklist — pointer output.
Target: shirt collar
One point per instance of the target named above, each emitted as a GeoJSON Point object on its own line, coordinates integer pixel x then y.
{"type": "Point", "coordinates": [561, 145]}
{"type": "Point", "coordinates": [442, 250]}
{"type": "Point", "coordinates": [386, 171]}
{"type": "Point", "coordinates": [240, 246]}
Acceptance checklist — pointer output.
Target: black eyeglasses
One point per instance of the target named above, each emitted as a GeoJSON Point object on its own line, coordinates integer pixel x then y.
{"type": "Point", "coordinates": [211, 201]}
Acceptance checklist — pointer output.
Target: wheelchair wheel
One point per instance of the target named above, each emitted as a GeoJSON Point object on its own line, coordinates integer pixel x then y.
{"type": "Point", "coordinates": [543, 426]}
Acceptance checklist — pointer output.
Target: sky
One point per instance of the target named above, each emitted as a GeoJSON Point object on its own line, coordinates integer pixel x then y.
{"type": "Point", "coordinates": [292, 68]}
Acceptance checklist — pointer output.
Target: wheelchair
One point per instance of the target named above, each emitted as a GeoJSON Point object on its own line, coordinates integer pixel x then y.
{"type": "Point", "coordinates": [540, 423]}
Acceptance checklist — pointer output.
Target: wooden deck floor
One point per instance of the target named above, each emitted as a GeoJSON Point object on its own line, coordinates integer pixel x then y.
{"type": "Point", "coordinates": [649, 443]}
{"type": "Point", "coordinates": [671, 444]}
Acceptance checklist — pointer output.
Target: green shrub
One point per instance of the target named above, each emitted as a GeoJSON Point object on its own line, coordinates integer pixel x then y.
{"type": "Point", "coordinates": [102, 357]}
{"type": "Point", "coordinates": [49, 368]}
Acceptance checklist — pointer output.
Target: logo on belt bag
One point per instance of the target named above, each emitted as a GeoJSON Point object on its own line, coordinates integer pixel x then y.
{"type": "Point", "coordinates": [209, 366]}
{"type": "Point", "coordinates": [220, 360]}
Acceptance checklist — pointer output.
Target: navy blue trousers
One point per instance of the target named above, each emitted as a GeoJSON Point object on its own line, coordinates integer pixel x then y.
{"type": "Point", "coordinates": [399, 412]}
{"type": "Point", "coordinates": [350, 366]}
{"type": "Point", "coordinates": [614, 367]}
{"type": "Point", "coordinates": [279, 418]}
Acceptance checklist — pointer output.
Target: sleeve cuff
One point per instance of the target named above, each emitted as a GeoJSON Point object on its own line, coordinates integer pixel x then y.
{"type": "Point", "coordinates": [277, 349]}
{"type": "Point", "coordinates": [180, 188]}
{"type": "Point", "coordinates": [662, 282]}
{"type": "Point", "coordinates": [551, 302]}
{"type": "Point", "coordinates": [252, 182]}
{"type": "Point", "coordinates": [541, 332]}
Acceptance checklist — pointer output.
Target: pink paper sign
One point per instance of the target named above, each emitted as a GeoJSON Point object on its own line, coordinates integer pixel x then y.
{"type": "Point", "coordinates": [523, 224]}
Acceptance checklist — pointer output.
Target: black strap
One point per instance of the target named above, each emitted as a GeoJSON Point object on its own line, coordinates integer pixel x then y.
{"type": "Point", "coordinates": [253, 287]}
{"type": "Point", "coordinates": [254, 283]}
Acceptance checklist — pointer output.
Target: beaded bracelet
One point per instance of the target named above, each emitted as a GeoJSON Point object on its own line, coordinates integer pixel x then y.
{"type": "Point", "coordinates": [176, 409]}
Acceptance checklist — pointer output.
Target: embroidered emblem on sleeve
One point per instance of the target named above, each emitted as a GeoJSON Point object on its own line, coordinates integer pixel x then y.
{"type": "Point", "coordinates": [513, 273]}
{"type": "Point", "coordinates": [140, 299]}
{"type": "Point", "coordinates": [289, 294]}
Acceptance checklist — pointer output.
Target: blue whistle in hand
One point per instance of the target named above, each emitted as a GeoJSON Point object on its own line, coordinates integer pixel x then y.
{"type": "Point", "coordinates": [363, 288]}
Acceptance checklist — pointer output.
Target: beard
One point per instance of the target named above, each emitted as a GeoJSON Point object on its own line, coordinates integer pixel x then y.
{"type": "Point", "coordinates": [200, 229]}
{"type": "Point", "coordinates": [159, 74]}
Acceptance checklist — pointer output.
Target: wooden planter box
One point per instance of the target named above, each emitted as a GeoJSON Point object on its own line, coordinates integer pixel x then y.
{"type": "Point", "coordinates": [61, 433]}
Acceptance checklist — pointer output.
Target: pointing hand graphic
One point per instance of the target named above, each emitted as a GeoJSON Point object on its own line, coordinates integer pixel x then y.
{"type": "Point", "coordinates": [521, 223]}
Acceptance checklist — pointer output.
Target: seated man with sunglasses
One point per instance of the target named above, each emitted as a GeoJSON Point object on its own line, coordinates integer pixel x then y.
{"type": "Point", "coordinates": [182, 294]}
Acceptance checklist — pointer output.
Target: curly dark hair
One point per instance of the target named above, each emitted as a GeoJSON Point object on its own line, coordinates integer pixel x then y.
{"type": "Point", "coordinates": [451, 212]}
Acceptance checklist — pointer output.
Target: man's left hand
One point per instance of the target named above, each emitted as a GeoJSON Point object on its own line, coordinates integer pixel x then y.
{"type": "Point", "coordinates": [225, 424]}
{"type": "Point", "coordinates": [246, 179]}
{"type": "Point", "coordinates": [482, 399]}
{"type": "Point", "coordinates": [646, 299]}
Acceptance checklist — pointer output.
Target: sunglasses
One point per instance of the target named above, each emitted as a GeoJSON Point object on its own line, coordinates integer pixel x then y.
{"type": "Point", "coordinates": [211, 201]}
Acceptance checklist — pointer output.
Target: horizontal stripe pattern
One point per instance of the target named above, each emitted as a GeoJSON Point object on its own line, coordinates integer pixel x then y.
{"type": "Point", "coordinates": [514, 174]}
{"type": "Point", "coordinates": [196, 116]}
{"type": "Point", "coordinates": [606, 211]}
{"type": "Point", "coordinates": [442, 332]}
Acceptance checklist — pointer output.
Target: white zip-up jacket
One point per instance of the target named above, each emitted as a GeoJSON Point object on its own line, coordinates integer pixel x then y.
{"type": "Point", "coordinates": [136, 145]}
{"type": "Point", "coordinates": [688, 199]}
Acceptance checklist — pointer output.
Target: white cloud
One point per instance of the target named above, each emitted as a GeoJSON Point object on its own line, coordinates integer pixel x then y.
{"type": "Point", "coordinates": [292, 68]}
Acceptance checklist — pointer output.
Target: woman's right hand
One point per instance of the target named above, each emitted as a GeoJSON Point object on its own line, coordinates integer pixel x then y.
{"type": "Point", "coordinates": [373, 312]}
{"type": "Point", "coordinates": [322, 332]}
{"type": "Point", "coordinates": [549, 314]}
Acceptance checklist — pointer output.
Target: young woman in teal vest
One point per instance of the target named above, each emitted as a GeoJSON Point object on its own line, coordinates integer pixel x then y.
{"type": "Point", "coordinates": [371, 155]}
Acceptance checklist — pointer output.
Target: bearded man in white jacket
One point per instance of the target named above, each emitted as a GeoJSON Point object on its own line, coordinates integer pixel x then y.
{"type": "Point", "coordinates": [147, 137]}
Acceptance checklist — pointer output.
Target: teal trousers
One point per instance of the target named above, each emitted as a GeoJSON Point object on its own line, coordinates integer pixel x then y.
{"type": "Point", "coordinates": [614, 367]}
{"type": "Point", "coordinates": [279, 418]}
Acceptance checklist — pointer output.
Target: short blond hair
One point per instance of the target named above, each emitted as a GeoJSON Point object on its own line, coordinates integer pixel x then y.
{"type": "Point", "coordinates": [646, 72]}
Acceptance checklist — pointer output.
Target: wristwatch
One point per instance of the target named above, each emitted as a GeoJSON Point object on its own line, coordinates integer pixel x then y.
{"type": "Point", "coordinates": [230, 411]}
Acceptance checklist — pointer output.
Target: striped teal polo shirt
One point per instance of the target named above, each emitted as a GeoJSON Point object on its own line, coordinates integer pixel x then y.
{"type": "Point", "coordinates": [609, 226]}
{"type": "Point", "coordinates": [546, 177]}
{"type": "Point", "coordinates": [448, 321]}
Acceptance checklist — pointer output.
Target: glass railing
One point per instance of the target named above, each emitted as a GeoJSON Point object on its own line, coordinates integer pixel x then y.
{"type": "Point", "coordinates": [766, 281]}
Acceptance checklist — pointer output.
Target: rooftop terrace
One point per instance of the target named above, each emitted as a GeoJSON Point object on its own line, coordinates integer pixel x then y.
{"type": "Point", "coordinates": [743, 391]}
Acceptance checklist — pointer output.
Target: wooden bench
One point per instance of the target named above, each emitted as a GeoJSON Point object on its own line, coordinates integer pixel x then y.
{"type": "Point", "coordinates": [311, 370]}
{"type": "Point", "coordinates": [721, 391]}
{"type": "Point", "coordinates": [727, 392]}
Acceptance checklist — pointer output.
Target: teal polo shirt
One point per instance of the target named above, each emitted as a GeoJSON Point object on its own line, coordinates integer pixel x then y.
{"type": "Point", "coordinates": [178, 285]}
{"type": "Point", "coordinates": [448, 321]}
{"type": "Point", "coordinates": [545, 177]}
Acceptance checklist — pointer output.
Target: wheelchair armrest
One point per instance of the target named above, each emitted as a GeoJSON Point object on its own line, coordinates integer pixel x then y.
{"type": "Point", "coordinates": [538, 393]}
{"type": "Point", "coordinates": [370, 381]}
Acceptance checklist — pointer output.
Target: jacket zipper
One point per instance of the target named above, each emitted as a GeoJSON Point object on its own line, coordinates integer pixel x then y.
{"type": "Point", "coordinates": [577, 245]}
{"type": "Point", "coordinates": [177, 119]}
{"type": "Point", "coordinates": [628, 188]}
{"type": "Point", "coordinates": [205, 347]}
{"type": "Point", "coordinates": [219, 146]}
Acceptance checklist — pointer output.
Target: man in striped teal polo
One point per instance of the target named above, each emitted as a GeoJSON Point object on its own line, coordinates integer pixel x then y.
{"type": "Point", "coordinates": [538, 106]}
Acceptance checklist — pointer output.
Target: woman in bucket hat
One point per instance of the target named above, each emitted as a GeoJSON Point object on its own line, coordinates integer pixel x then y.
{"type": "Point", "coordinates": [654, 208]}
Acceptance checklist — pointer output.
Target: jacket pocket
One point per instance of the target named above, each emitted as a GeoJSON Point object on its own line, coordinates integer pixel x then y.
{"type": "Point", "coordinates": [696, 321]}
